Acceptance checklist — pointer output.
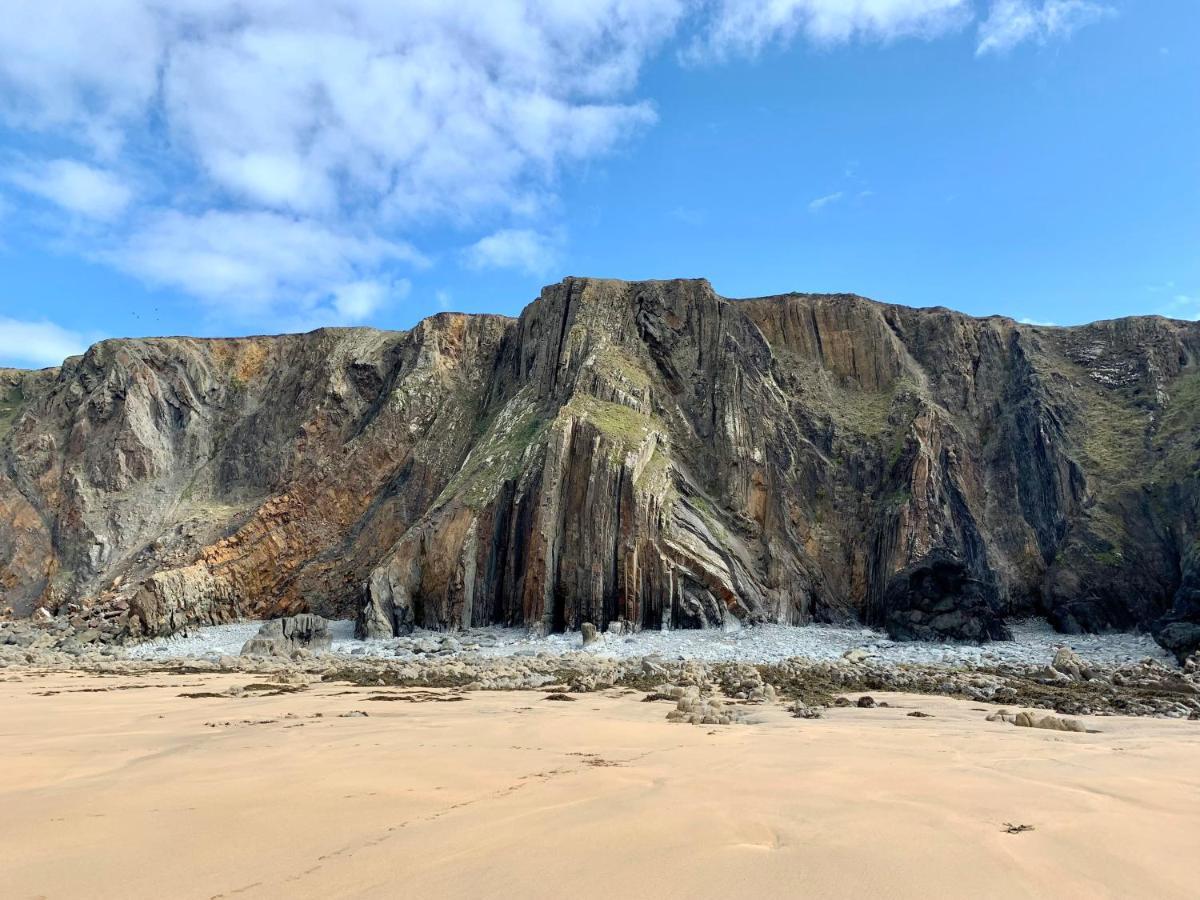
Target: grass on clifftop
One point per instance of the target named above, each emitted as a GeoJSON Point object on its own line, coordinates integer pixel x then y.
{"type": "Point", "coordinates": [627, 427]}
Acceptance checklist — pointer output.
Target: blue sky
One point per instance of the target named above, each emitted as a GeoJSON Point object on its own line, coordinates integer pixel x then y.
{"type": "Point", "coordinates": [217, 168]}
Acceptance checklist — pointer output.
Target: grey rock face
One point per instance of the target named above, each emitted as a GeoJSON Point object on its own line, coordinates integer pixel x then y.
{"type": "Point", "coordinates": [280, 637]}
{"type": "Point", "coordinates": [646, 452]}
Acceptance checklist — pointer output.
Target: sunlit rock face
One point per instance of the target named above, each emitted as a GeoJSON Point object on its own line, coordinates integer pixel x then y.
{"type": "Point", "coordinates": [643, 452]}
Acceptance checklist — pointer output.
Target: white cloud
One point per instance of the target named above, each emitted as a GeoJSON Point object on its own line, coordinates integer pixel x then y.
{"type": "Point", "coordinates": [351, 91]}
{"type": "Point", "coordinates": [359, 300]}
{"type": "Point", "coordinates": [1011, 22]}
{"type": "Point", "coordinates": [76, 187]}
{"type": "Point", "coordinates": [246, 263]}
{"type": "Point", "coordinates": [443, 299]}
{"type": "Point", "coordinates": [515, 248]}
{"type": "Point", "coordinates": [79, 67]}
{"type": "Point", "coordinates": [819, 203]}
{"type": "Point", "coordinates": [749, 26]}
{"type": "Point", "coordinates": [284, 150]}
{"type": "Point", "coordinates": [298, 122]}
{"type": "Point", "coordinates": [1183, 306]}
{"type": "Point", "coordinates": [39, 343]}
{"type": "Point", "coordinates": [1028, 321]}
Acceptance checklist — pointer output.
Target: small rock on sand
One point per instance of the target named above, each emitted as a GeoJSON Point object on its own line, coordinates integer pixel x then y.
{"type": "Point", "coordinates": [1030, 720]}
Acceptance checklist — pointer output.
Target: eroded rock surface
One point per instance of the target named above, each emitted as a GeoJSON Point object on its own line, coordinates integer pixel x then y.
{"type": "Point", "coordinates": [646, 453]}
{"type": "Point", "coordinates": [281, 637]}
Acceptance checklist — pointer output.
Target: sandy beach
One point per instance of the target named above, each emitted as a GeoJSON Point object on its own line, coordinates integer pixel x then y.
{"type": "Point", "coordinates": [127, 787]}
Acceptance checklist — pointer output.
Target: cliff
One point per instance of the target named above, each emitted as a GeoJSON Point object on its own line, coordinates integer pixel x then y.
{"type": "Point", "coordinates": [647, 452]}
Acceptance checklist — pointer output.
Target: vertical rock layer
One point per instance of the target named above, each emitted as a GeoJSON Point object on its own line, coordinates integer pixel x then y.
{"type": "Point", "coordinates": [647, 452]}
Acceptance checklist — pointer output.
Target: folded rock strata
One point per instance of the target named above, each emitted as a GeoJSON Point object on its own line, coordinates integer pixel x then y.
{"type": "Point", "coordinates": [646, 453]}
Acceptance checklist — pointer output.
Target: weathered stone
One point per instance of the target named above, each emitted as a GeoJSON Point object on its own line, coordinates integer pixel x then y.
{"type": "Point", "coordinates": [588, 633]}
{"type": "Point", "coordinates": [1032, 720]}
{"type": "Point", "coordinates": [172, 599]}
{"type": "Point", "coordinates": [804, 711]}
{"type": "Point", "coordinates": [1067, 662]}
{"type": "Point", "coordinates": [284, 637]}
{"type": "Point", "coordinates": [1181, 638]}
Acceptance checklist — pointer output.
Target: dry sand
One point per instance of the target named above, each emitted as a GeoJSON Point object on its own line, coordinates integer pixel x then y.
{"type": "Point", "coordinates": [135, 791]}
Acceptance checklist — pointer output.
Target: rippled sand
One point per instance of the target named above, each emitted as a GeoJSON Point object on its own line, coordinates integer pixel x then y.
{"type": "Point", "coordinates": [120, 787]}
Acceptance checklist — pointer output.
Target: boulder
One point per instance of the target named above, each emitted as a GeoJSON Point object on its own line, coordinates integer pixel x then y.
{"type": "Point", "coordinates": [589, 633]}
{"type": "Point", "coordinates": [281, 637]}
{"type": "Point", "coordinates": [801, 710]}
{"type": "Point", "coordinates": [1067, 662]}
{"type": "Point", "coordinates": [940, 599]}
{"type": "Point", "coordinates": [176, 598]}
{"type": "Point", "coordinates": [1032, 720]}
{"type": "Point", "coordinates": [1181, 638]}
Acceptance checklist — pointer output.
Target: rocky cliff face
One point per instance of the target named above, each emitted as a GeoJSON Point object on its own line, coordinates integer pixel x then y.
{"type": "Point", "coordinates": [646, 452]}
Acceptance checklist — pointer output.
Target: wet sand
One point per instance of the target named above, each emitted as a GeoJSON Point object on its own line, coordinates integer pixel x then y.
{"type": "Point", "coordinates": [120, 787]}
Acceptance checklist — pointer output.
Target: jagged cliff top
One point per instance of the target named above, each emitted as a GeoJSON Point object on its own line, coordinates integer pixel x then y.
{"type": "Point", "coordinates": [10, 375]}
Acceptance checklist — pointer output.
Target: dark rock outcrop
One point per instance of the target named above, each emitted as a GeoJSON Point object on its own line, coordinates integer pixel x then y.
{"type": "Point", "coordinates": [646, 453]}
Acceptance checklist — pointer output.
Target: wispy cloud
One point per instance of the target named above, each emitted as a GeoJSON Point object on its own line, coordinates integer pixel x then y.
{"type": "Point", "coordinates": [1012, 22]}
{"type": "Point", "coordinates": [1028, 321]}
{"type": "Point", "coordinates": [246, 263]}
{"type": "Point", "coordinates": [74, 186]}
{"type": "Point", "coordinates": [37, 343]}
{"type": "Point", "coordinates": [359, 300]}
{"type": "Point", "coordinates": [1183, 306]}
{"type": "Point", "coordinates": [747, 27]}
{"type": "Point", "coordinates": [819, 203]}
{"type": "Point", "coordinates": [515, 248]}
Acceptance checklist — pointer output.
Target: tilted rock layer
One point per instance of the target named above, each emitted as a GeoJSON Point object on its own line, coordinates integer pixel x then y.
{"type": "Point", "coordinates": [643, 452]}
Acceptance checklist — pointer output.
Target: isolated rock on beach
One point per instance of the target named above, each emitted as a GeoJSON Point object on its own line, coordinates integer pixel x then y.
{"type": "Point", "coordinates": [281, 637]}
{"type": "Point", "coordinates": [1067, 662]}
{"type": "Point", "coordinates": [801, 710]}
{"type": "Point", "coordinates": [699, 710]}
{"type": "Point", "coordinates": [588, 633]}
{"type": "Point", "coordinates": [1031, 720]}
